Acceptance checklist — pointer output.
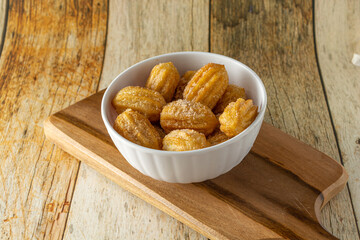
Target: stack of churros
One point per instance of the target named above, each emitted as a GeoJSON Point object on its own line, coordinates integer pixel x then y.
{"type": "Point", "coordinates": [198, 110]}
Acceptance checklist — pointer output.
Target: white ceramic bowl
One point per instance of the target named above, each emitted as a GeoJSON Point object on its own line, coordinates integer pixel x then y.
{"type": "Point", "coordinates": [190, 166]}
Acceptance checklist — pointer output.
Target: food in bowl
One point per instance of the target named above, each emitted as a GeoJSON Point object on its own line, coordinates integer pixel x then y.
{"type": "Point", "coordinates": [143, 100]}
{"type": "Point", "coordinates": [186, 121]}
{"type": "Point", "coordinates": [183, 114]}
{"type": "Point", "coordinates": [195, 165]}
{"type": "Point", "coordinates": [136, 128]}
{"type": "Point", "coordinates": [207, 85]}
{"type": "Point", "coordinates": [184, 140]}
{"type": "Point", "coordinates": [217, 137]}
{"type": "Point", "coordinates": [164, 78]}
{"type": "Point", "coordinates": [231, 94]}
{"type": "Point", "coordinates": [237, 116]}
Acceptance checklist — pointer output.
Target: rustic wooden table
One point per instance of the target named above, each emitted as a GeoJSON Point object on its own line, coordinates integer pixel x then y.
{"type": "Point", "coordinates": [54, 53]}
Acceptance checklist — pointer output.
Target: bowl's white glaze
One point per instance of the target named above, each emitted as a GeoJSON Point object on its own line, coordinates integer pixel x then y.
{"type": "Point", "coordinates": [190, 166]}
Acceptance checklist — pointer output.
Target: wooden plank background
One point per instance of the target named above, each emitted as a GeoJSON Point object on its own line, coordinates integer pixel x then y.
{"type": "Point", "coordinates": [337, 27]}
{"type": "Point", "coordinates": [281, 49]}
{"type": "Point", "coordinates": [58, 52]}
{"type": "Point", "coordinates": [52, 57]}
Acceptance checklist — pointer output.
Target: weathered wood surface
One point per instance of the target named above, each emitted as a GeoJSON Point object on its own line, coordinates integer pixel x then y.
{"type": "Point", "coordinates": [287, 67]}
{"type": "Point", "coordinates": [52, 57]}
{"type": "Point", "coordinates": [275, 38]}
{"type": "Point", "coordinates": [2, 22]}
{"type": "Point", "coordinates": [338, 38]}
{"type": "Point", "coordinates": [142, 29]}
{"type": "Point", "coordinates": [275, 192]}
{"type": "Point", "coordinates": [136, 30]}
{"type": "Point", "coordinates": [116, 213]}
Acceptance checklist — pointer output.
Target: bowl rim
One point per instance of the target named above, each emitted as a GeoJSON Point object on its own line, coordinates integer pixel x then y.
{"type": "Point", "coordinates": [257, 120]}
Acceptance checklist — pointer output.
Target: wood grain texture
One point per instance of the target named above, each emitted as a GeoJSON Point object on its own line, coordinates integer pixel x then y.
{"type": "Point", "coordinates": [275, 192]}
{"type": "Point", "coordinates": [52, 57]}
{"type": "Point", "coordinates": [136, 30]}
{"type": "Point", "coordinates": [3, 10]}
{"type": "Point", "coordinates": [116, 213]}
{"type": "Point", "coordinates": [338, 38]}
{"type": "Point", "coordinates": [275, 38]}
{"type": "Point", "coordinates": [142, 29]}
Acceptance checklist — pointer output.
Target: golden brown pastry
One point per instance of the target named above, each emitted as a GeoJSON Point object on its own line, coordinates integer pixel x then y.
{"type": "Point", "coordinates": [207, 85]}
{"type": "Point", "coordinates": [182, 84]}
{"type": "Point", "coordinates": [183, 114]}
{"type": "Point", "coordinates": [217, 137]}
{"type": "Point", "coordinates": [184, 140]}
{"type": "Point", "coordinates": [237, 116]}
{"type": "Point", "coordinates": [164, 78]}
{"type": "Point", "coordinates": [136, 128]}
{"type": "Point", "coordinates": [231, 94]}
{"type": "Point", "coordinates": [143, 100]}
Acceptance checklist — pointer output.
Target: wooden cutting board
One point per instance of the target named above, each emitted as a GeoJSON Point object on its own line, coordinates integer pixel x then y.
{"type": "Point", "coordinates": [276, 192]}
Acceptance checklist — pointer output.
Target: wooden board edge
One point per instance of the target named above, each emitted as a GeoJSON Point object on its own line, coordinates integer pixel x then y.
{"type": "Point", "coordinates": [329, 191]}
{"type": "Point", "coordinates": [327, 194]}
{"type": "Point", "coordinates": [51, 129]}
{"type": "Point", "coordinates": [332, 190]}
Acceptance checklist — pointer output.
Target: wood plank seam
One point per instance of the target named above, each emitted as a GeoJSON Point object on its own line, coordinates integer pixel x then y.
{"type": "Point", "coordinates": [72, 195]}
{"type": "Point", "coordinates": [209, 32]}
{"type": "Point", "coordinates": [2, 35]}
{"type": "Point", "coordinates": [330, 115]}
{"type": "Point", "coordinates": [103, 60]}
